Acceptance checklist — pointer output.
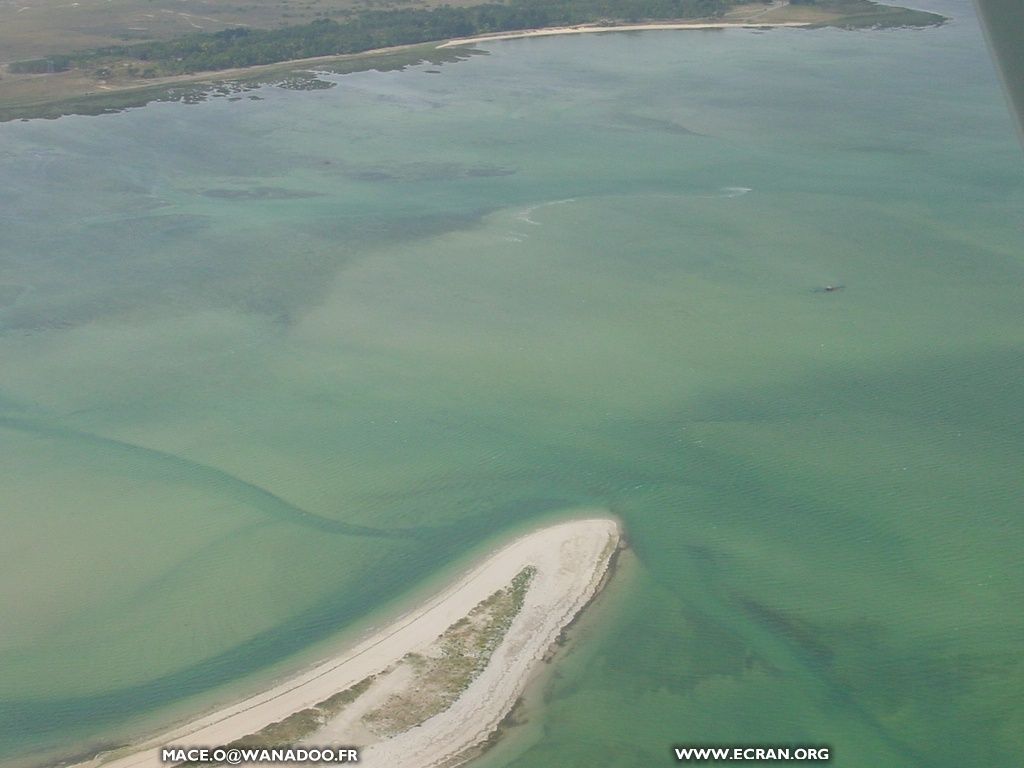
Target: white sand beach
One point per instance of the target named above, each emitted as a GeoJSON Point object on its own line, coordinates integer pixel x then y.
{"type": "Point", "coordinates": [587, 28]}
{"type": "Point", "coordinates": [570, 561]}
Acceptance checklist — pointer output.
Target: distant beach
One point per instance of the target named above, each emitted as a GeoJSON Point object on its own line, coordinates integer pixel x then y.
{"type": "Point", "coordinates": [587, 28]}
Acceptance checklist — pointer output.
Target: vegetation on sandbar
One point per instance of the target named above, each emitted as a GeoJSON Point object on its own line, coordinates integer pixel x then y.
{"type": "Point", "coordinates": [465, 651]}
{"type": "Point", "coordinates": [297, 726]}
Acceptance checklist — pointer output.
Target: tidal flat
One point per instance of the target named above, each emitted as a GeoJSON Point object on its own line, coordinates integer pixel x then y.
{"type": "Point", "coordinates": [581, 271]}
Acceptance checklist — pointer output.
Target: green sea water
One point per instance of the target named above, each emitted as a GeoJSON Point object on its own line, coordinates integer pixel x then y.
{"type": "Point", "coordinates": [270, 365]}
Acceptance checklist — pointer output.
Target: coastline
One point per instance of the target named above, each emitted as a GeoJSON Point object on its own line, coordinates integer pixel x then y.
{"type": "Point", "coordinates": [103, 97]}
{"type": "Point", "coordinates": [48, 96]}
{"type": "Point", "coordinates": [563, 588]}
{"type": "Point", "coordinates": [590, 28]}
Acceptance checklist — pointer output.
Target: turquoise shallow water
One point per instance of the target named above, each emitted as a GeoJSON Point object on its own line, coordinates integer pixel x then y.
{"type": "Point", "coordinates": [268, 364]}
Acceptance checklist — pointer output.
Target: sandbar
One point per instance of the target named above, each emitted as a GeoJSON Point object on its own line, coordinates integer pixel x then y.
{"type": "Point", "coordinates": [568, 563]}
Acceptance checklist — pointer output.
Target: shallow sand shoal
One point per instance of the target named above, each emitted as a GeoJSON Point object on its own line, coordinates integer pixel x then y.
{"type": "Point", "coordinates": [584, 28]}
{"type": "Point", "coordinates": [571, 559]}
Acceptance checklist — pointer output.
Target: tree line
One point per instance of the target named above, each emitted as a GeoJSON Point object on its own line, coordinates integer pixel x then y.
{"type": "Point", "coordinates": [245, 47]}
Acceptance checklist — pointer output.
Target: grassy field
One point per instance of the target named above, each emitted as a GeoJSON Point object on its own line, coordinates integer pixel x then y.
{"type": "Point", "coordinates": [33, 28]}
{"type": "Point", "coordinates": [844, 13]}
{"type": "Point", "coordinates": [74, 93]}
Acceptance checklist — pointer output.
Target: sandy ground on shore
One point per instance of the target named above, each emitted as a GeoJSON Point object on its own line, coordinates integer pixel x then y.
{"type": "Point", "coordinates": [571, 559]}
{"type": "Point", "coordinates": [584, 28]}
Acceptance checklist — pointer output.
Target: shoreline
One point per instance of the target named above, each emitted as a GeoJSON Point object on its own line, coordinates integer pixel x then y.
{"type": "Point", "coordinates": [75, 92]}
{"type": "Point", "coordinates": [77, 101]}
{"type": "Point", "coordinates": [590, 28]}
{"type": "Point", "coordinates": [557, 598]}
{"type": "Point", "coordinates": [142, 92]}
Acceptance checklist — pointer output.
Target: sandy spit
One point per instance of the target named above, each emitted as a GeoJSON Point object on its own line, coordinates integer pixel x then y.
{"type": "Point", "coordinates": [571, 559]}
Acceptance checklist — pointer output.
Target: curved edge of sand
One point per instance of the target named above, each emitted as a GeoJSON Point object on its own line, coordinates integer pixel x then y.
{"type": "Point", "coordinates": [571, 558]}
{"type": "Point", "coordinates": [585, 28]}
